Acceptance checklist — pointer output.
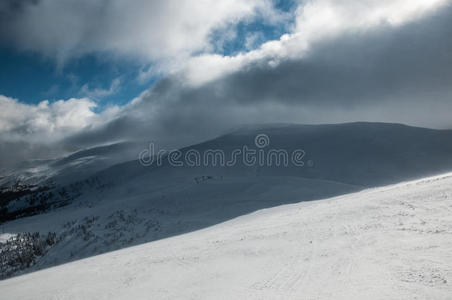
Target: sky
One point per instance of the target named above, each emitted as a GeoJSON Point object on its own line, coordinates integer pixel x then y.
{"type": "Point", "coordinates": [81, 73]}
{"type": "Point", "coordinates": [56, 71]}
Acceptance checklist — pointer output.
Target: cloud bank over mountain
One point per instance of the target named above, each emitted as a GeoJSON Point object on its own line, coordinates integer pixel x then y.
{"type": "Point", "coordinates": [350, 61]}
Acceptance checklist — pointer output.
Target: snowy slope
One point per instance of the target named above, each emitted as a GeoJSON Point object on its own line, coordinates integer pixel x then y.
{"type": "Point", "coordinates": [392, 242]}
{"type": "Point", "coordinates": [360, 154]}
{"type": "Point", "coordinates": [102, 221]}
{"type": "Point", "coordinates": [128, 204]}
{"type": "Point", "coordinates": [36, 186]}
{"type": "Point", "coordinates": [77, 165]}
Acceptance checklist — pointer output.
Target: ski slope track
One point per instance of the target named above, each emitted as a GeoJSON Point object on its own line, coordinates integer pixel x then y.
{"type": "Point", "coordinates": [393, 242]}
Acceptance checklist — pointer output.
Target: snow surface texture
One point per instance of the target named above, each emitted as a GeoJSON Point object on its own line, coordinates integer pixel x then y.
{"type": "Point", "coordinates": [139, 212]}
{"type": "Point", "coordinates": [95, 212]}
{"type": "Point", "coordinates": [386, 243]}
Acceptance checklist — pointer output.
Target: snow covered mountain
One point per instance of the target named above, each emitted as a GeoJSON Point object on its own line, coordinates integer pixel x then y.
{"type": "Point", "coordinates": [385, 243]}
{"type": "Point", "coordinates": [128, 204]}
{"type": "Point", "coordinates": [38, 185]}
{"type": "Point", "coordinates": [63, 170]}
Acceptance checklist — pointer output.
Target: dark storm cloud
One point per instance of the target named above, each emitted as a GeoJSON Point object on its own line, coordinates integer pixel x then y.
{"type": "Point", "coordinates": [144, 30]}
{"type": "Point", "coordinates": [357, 69]}
{"type": "Point", "coordinates": [10, 10]}
{"type": "Point", "coordinates": [14, 6]}
{"type": "Point", "coordinates": [389, 74]}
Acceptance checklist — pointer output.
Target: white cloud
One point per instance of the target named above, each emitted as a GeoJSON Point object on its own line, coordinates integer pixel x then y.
{"type": "Point", "coordinates": [315, 21]}
{"type": "Point", "coordinates": [170, 33]}
{"type": "Point", "coordinates": [173, 33]}
{"type": "Point", "coordinates": [322, 17]}
{"type": "Point", "coordinates": [45, 121]}
{"type": "Point", "coordinates": [151, 30]}
{"type": "Point", "coordinates": [253, 39]}
{"type": "Point", "coordinates": [96, 93]}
